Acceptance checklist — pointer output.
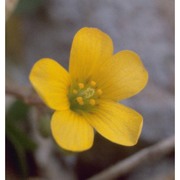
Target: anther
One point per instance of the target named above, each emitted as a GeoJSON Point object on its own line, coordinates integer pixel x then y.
{"type": "Point", "coordinates": [99, 91]}
{"type": "Point", "coordinates": [92, 102]}
{"type": "Point", "coordinates": [75, 91]}
{"type": "Point", "coordinates": [80, 100]}
{"type": "Point", "coordinates": [81, 85]}
{"type": "Point", "coordinates": [93, 83]}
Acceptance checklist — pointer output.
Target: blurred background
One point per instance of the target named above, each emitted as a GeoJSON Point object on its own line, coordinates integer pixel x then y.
{"type": "Point", "coordinates": [45, 28]}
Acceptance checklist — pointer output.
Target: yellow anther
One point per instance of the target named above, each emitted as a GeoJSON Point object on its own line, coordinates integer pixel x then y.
{"type": "Point", "coordinates": [80, 100]}
{"type": "Point", "coordinates": [81, 85]}
{"type": "Point", "coordinates": [75, 91]}
{"type": "Point", "coordinates": [99, 91]}
{"type": "Point", "coordinates": [93, 83]}
{"type": "Point", "coordinates": [92, 102]}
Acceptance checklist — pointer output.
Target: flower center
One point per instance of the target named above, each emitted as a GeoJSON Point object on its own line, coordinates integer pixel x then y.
{"type": "Point", "coordinates": [84, 96]}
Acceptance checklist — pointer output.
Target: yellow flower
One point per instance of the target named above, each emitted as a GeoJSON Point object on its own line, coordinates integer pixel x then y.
{"type": "Point", "coordinates": [86, 97]}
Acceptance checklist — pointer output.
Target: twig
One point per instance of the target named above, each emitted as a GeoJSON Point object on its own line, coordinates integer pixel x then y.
{"type": "Point", "coordinates": [149, 154]}
{"type": "Point", "coordinates": [24, 96]}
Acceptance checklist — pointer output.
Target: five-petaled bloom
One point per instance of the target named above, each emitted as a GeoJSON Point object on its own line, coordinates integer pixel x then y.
{"type": "Point", "coordinates": [86, 97]}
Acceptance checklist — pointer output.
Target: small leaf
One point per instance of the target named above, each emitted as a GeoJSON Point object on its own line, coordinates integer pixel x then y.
{"type": "Point", "coordinates": [22, 162]}
{"type": "Point", "coordinates": [17, 111]}
{"type": "Point", "coordinates": [21, 137]}
{"type": "Point", "coordinates": [44, 126]}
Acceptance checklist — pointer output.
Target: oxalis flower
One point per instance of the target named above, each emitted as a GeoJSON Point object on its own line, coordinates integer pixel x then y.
{"type": "Point", "coordinates": [86, 97]}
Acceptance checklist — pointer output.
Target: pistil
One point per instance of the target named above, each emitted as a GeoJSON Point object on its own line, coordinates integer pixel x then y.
{"type": "Point", "coordinates": [84, 96]}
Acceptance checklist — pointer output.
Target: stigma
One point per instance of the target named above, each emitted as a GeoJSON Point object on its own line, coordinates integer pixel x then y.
{"type": "Point", "coordinates": [84, 96]}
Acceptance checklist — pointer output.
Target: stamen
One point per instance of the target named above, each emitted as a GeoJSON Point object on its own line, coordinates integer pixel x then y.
{"type": "Point", "coordinates": [80, 100]}
{"type": "Point", "coordinates": [99, 91]}
{"type": "Point", "coordinates": [92, 102]}
{"type": "Point", "coordinates": [93, 83]}
{"type": "Point", "coordinates": [75, 91]}
{"type": "Point", "coordinates": [81, 85]}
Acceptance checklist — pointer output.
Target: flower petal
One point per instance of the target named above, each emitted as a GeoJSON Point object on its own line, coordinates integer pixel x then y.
{"type": "Point", "coordinates": [122, 76]}
{"type": "Point", "coordinates": [116, 122]}
{"type": "Point", "coordinates": [71, 131]}
{"type": "Point", "coordinates": [51, 81]}
{"type": "Point", "coordinates": [90, 48]}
